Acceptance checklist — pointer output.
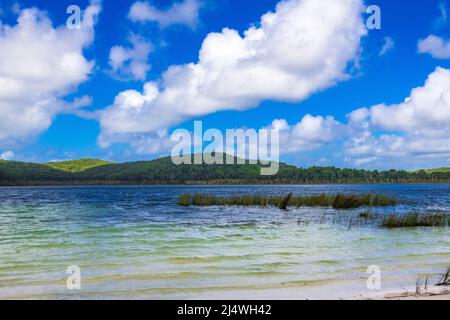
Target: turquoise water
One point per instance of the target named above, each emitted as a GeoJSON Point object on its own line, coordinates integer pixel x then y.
{"type": "Point", "coordinates": [136, 243]}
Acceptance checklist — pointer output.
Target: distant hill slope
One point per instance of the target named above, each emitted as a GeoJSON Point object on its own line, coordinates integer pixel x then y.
{"type": "Point", "coordinates": [77, 165]}
{"type": "Point", "coordinates": [22, 173]}
{"type": "Point", "coordinates": [438, 170]}
{"type": "Point", "coordinates": [163, 171]}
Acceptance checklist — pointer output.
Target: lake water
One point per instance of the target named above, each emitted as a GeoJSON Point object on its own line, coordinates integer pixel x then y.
{"type": "Point", "coordinates": [136, 243]}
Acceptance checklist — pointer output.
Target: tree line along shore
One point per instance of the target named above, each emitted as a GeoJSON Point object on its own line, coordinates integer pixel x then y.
{"type": "Point", "coordinates": [164, 172]}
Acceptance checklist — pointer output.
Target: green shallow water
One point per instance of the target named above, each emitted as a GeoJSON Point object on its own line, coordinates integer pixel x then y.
{"type": "Point", "coordinates": [136, 243]}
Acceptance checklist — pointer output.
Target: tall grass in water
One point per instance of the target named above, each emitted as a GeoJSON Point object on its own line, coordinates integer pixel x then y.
{"type": "Point", "coordinates": [342, 201]}
{"type": "Point", "coordinates": [184, 200]}
{"type": "Point", "coordinates": [412, 220]}
{"type": "Point", "coordinates": [339, 201]}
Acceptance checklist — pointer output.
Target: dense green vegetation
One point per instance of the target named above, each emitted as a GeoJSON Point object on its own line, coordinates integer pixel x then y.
{"type": "Point", "coordinates": [19, 173]}
{"type": "Point", "coordinates": [163, 171]}
{"type": "Point", "coordinates": [339, 201]}
{"type": "Point", "coordinates": [77, 165]}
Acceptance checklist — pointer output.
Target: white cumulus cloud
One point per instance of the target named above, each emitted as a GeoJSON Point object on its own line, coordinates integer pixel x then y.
{"type": "Point", "coordinates": [185, 12]}
{"type": "Point", "coordinates": [418, 127]}
{"type": "Point", "coordinates": [7, 155]}
{"type": "Point", "coordinates": [308, 134]}
{"type": "Point", "coordinates": [40, 64]}
{"type": "Point", "coordinates": [425, 111]}
{"type": "Point", "coordinates": [290, 56]}
{"type": "Point", "coordinates": [131, 62]}
{"type": "Point", "coordinates": [437, 47]}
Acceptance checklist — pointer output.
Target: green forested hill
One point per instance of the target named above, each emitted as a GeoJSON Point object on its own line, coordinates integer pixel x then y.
{"type": "Point", "coordinates": [22, 173]}
{"type": "Point", "coordinates": [163, 171]}
{"type": "Point", "coordinates": [77, 165]}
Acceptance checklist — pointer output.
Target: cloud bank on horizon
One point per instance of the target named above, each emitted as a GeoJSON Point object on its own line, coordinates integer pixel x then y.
{"type": "Point", "coordinates": [289, 56]}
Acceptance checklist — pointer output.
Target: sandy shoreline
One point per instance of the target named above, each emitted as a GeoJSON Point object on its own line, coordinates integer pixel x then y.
{"type": "Point", "coordinates": [435, 293]}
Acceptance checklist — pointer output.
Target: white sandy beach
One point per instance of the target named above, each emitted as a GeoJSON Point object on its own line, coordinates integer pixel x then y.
{"type": "Point", "coordinates": [434, 293]}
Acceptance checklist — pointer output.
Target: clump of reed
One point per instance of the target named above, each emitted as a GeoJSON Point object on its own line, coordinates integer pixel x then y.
{"type": "Point", "coordinates": [343, 201]}
{"type": "Point", "coordinates": [184, 200]}
{"type": "Point", "coordinates": [445, 279]}
{"type": "Point", "coordinates": [412, 220]}
{"type": "Point", "coordinates": [422, 283]}
{"type": "Point", "coordinates": [203, 200]}
{"type": "Point", "coordinates": [339, 201]}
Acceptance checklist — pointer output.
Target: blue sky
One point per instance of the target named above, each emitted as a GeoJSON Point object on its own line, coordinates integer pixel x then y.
{"type": "Point", "coordinates": [373, 79]}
